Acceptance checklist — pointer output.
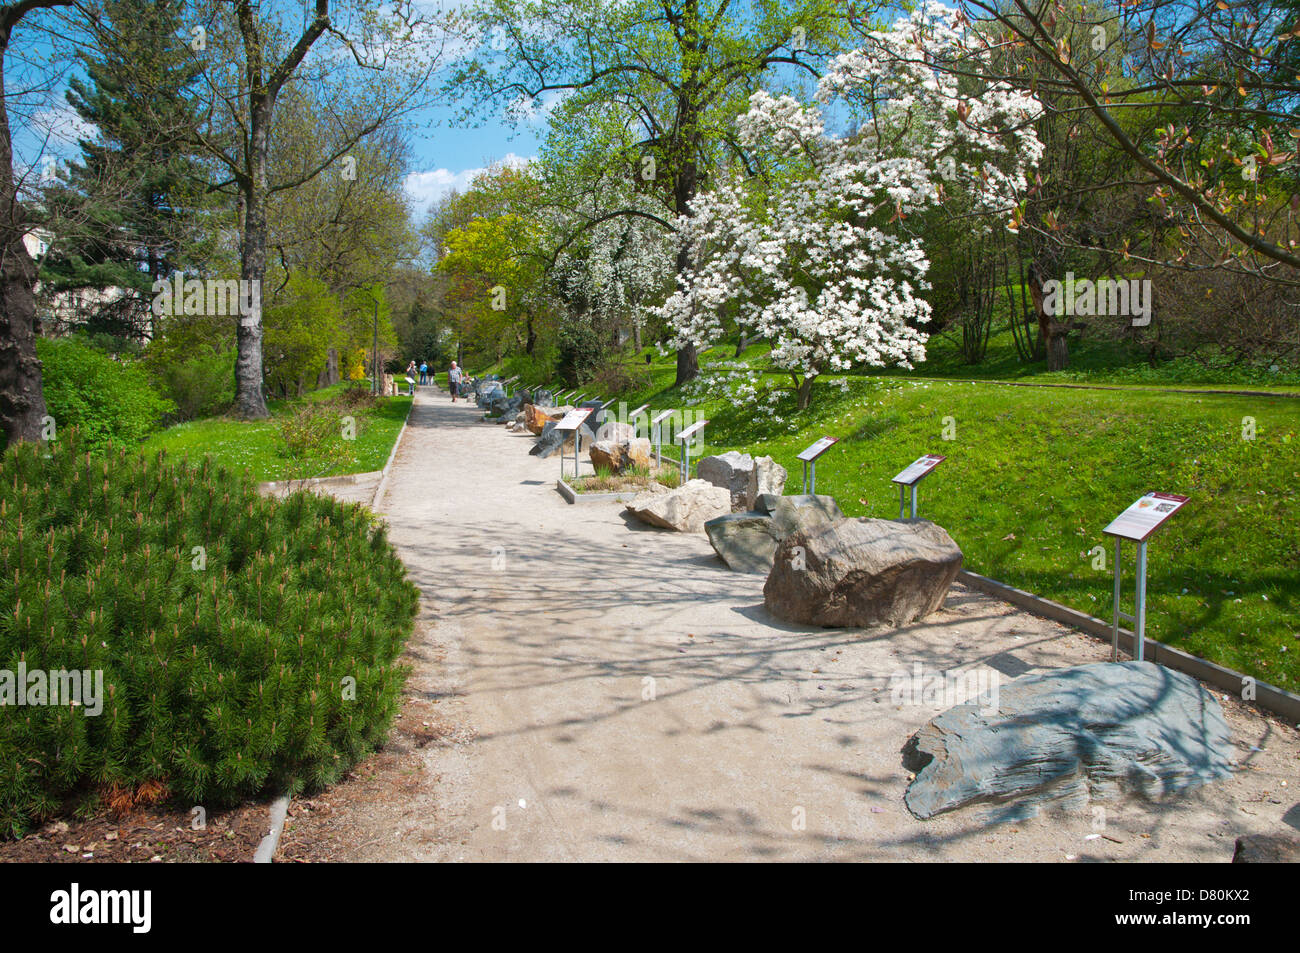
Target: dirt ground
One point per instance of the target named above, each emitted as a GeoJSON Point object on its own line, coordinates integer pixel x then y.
{"type": "Point", "coordinates": [143, 835]}
{"type": "Point", "coordinates": [587, 688]}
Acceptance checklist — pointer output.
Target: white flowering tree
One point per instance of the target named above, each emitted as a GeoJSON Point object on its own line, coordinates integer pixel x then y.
{"type": "Point", "coordinates": [817, 253]}
{"type": "Point", "coordinates": [616, 263]}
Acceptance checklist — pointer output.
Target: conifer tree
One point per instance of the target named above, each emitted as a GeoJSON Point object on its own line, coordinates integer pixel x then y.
{"type": "Point", "coordinates": [137, 98]}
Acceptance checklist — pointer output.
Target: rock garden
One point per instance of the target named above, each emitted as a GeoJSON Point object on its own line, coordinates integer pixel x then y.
{"type": "Point", "coordinates": [1095, 731]}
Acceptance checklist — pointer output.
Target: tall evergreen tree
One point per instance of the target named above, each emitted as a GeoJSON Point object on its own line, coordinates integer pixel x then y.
{"type": "Point", "coordinates": [138, 99]}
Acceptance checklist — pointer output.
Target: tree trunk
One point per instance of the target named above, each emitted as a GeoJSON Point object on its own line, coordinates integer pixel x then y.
{"type": "Point", "coordinates": [329, 375]}
{"type": "Point", "coordinates": [688, 363]}
{"type": "Point", "coordinates": [262, 91]}
{"type": "Point", "coordinates": [22, 400]}
{"type": "Point", "coordinates": [804, 392]}
{"type": "Point", "coordinates": [1058, 348]}
{"type": "Point", "coordinates": [1051, 331]}
{"type": "Point", "coordinates": [249, 401]}
{"type": "Point", "coordinates": [685, 184]}
{"type": "Point", "coordinates": [741, 343]}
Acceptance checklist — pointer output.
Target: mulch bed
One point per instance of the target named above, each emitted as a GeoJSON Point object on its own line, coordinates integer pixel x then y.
{"type": "Point", "coordinates": [144, 835]}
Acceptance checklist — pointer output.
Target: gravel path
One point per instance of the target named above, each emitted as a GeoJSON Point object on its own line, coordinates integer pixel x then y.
{"type": "Point", "coordinates": [585, 688]}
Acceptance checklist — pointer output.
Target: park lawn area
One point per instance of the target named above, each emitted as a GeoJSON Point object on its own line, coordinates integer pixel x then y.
{"type": "Point", "coordinates": [258, 445]}
{"type": "Point", "coordinates": [1034, 474]}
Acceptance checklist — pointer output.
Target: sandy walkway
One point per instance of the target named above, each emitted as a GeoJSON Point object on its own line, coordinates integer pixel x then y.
{"type": "Point", "coordinates": [590, 689]}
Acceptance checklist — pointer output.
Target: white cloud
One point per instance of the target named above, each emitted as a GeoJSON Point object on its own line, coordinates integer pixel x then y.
{"type": "Point", "coordinates": [425, 189]}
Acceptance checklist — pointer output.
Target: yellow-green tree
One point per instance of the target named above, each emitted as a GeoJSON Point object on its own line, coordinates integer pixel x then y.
{"type": "Point", "coordinates": [299, 329]}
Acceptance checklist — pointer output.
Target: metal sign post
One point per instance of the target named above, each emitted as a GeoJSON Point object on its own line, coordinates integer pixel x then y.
{"type": "Point", "coordinates": [685, 437]}
{"type": "Point", "coordinates": [570, 423]}
{"type": "Point", "coordinates": [633, 416]}
{"type": "Point", "coordinates": [911, 477]}
{"type": "Point", "coordinates": [809, 458]}
{"type": "Point", "coordinates": [1137, 523]}
{"type": "Point", "coordinates": [655, 426]}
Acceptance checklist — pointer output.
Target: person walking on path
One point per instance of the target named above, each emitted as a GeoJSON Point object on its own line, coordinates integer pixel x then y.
{"type": "Point", "coordinates": [453, 379]}
{"type": "Point", "coordinates": [424, 372]}
{"type": "Point", "coordinates": [410, 377]}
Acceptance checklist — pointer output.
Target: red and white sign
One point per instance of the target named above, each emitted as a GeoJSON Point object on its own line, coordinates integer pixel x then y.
{"type": "Point", "coordinates": [574, 418]}
{"type": "Point", "coordinates": [919, 469]}
{"type": "Point", "coordinates": [817, 449]}
{"type": "Point", "coordinates": [1145, 516]}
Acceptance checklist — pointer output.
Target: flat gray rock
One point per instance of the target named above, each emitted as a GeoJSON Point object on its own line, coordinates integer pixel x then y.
{"type": "Point", "coordinates": [743, 541]}
{"type": "Point", "coordinates": [1086, 732]}
{"type": "Point", "coordinates": [685, 509]}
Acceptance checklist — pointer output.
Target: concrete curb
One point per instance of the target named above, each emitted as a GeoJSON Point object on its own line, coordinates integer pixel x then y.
{"type": "Point", "coordinates": [1268, 697]}
{"type": "Point", "coordinates": [343, 480]}
{"type": "Point", "coordinates": [266, 849]}
{"type": "Point", "coordinates": [388, 466]}
{"type": "Point", "coordinates": [573, 496]}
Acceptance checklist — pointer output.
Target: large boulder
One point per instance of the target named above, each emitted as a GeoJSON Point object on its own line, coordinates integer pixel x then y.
{"type": "Point", "coordinates": [609, 455]}
{"type": "Point", "coordinates": [747, 541]}
{"type": "Point", "coordinates": [616, 431]}
{"type": "Point", "coordinates": [767, 477]}
{"type": "Point", "coordinates": [685, 509]}
{"type": "Point", "coordinates": [639, 450]}
{"type": "Point", "coordinates": [731, 471]}
{"type": "Point", "coordinates": [793, 513]}
{"type": "Point", "coordinates": [1086, 732]}
{"type": "Point", "coordinates": [618, 456]}
{"type": "Point", "coordinates": [743, 541]}
{"type": "Point", "coordinates": [597, 418]}
{"type": "Point", "coordinates": [488, 391]}
{"type": "Point", "coordinates": [862, 572]}
{"type": "Point", "coordinates": [536, 419]}
{"type": "Point", "coordinates": [551, 440]}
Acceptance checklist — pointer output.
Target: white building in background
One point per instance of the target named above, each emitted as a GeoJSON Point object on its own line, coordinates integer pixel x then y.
{"type": "Point", "coordinates": [38, 242]}
{"type": "Point", "coordinates": [69, 307]}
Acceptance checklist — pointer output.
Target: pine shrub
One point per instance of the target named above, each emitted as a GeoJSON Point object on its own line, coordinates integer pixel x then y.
{"type": "Point", "coordinates": [227, 627]}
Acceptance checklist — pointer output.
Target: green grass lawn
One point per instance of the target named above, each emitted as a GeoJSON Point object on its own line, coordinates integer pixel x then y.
{"type": "Point", "coordinates": [1034, 474]}
{"type": "Point", "coordinates": [258, 445]}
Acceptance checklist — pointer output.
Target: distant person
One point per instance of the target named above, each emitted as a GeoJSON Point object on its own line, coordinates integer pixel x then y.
{"type": "Point", "coordinates": [424, 372]}
{"type": "Point", "coordinates": [410, 377]}
{"type": "Point", "coordinates": [453, 380]}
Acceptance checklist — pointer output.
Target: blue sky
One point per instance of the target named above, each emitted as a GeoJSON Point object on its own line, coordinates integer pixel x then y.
{"type": "Point", "coordinates": [447, 156]}
{"type": "Point", "coordinates": [444, 155]}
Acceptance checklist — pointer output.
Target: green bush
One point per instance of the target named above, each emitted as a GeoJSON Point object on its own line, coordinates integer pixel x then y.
{"type": "Point", "coordinates": [313, 434]}
{"type": "Point", "coordinates": [105, 399]}
{"type": "Point", "coordinates": [538, 369]}
{"type": "Point", "coordinates": [201, 385]}
{"type": "Point", "coordinates": [580, 351]}
{"type": "Point", "coordinates": [228, 628]}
